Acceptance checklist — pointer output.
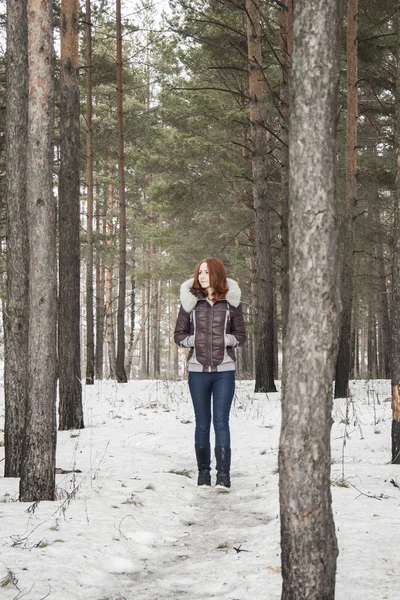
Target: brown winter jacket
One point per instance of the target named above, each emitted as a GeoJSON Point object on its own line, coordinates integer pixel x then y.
{"type": "Point", "coordinates": [202, 327]}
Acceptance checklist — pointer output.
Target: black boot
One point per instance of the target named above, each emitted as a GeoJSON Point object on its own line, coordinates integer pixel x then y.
{"type": "Point", "coordinates": [223, 457]}
{"type": "Point", "coordinates": [203, 456]}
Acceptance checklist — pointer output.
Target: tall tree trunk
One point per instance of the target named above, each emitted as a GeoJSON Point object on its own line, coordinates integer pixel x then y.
{"type": "Point", "coordinates": [352, 343]}
{"type": "Point", "coordinates": [100, 315]}
{"type": "Point", "coordinates": [363, 352]}
{"type": "Point", "coordinates": [148, 334]}
{"type": "Point", "coordinates": [374, 213]}
{"type": "Point", "coordinates": [356, 340]}
{"type": "Point", "coordinates": [110, 332]}
{"type": "Point", "coordinates": [247, 364]}
{"type": "Point", "coordinates": [371, 340]}
{"type": "Point", "coordinates": [254, 299]}
{"type": "Point", "coordinates": [352, 351]}
{"type": "Point", "coordinates": [308, 541]}
{"type": "Point", "coordinates": [153, 328]}
{"type": "Point", "coordinates": [143, 339]}
{"type": "Point", "coordinates": [157, 353]}
{"type": "Point", "coordinates": [110, 336]}
{"type": "Point", "coordinates": [155, 319]}
{"type": "Point", "coordinates": [396, 276]}
{"type": "Point", "coordinates": [152, 308]}
{"type": "Point", "coordinates": [384, 305]}
{"type": "Point", "coordinates": [276, 340]}
{"type": "Point", "coordinates": [101, 224]}
{"type": "Point", "coordinates": [245, 350]}
{"type": "Point", "coordinates": [286, 50]}
{"type": "Point", "coordinates": [16, 316]}
{"type": "Point", "coordinates": [69, 345]}
{"type": "Point", "coordinates": [264, 324]}
{"type": "Point", "coordinates": [89, 200]}
{"type": "Point", "coordinates": [347, 285]}
{"type": "Point", "coordinates": [38, 461]}
{"type": "Point", "coordinates": [121, 374]}
{"type": "Point", "coordinates": [174, 346]}
{"type": "Point", "coordinates": [128, 365]}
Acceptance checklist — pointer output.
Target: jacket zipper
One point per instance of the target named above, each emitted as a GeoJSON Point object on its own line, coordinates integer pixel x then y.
{"type": "Point", "coordinates": [211, 323]}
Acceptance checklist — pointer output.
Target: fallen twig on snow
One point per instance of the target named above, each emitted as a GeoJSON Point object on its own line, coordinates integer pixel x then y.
{"type": "Point", "coordinates": [381, 497]}
{"type": "Point", "coordinates": [240, 549]}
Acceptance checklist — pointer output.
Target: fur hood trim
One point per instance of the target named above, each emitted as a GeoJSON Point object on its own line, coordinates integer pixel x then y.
{"type": "Point", "coordinates": [189, 300]}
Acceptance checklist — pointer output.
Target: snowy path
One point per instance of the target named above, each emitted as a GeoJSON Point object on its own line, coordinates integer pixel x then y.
{"type": "Point", "coordinates": [203, 562]}
{"type": "Point", "coordinates": [131, 524]}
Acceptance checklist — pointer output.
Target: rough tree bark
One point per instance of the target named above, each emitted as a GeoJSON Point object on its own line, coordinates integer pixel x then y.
{"type": "Point", "coordinates": [101, 225]}
{"type": "Point", "coordinates": [396, 277]}
{"type": "Point", "coordinates": [264, 313]}
{"type": "Point", "coordinates": [121, 374]}
{"type": "Point", "coordinates": [38, 461]}
{"type": "Point", "coordinates": [16, 316]}
{"type": "Point", "coordinates": [308, 541]}
{"type": "Point", "coordinates": [89, 201]}
{"type": "Point", "coordinates": [344, 353]}
{"type": "Point", "coordinates": [69, 344]}
{"type": "Point", "coordinates": [286, 50]}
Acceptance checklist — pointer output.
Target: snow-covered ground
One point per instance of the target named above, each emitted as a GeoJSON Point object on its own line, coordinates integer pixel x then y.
{"type": "Point", "coordinates": [129, 522]}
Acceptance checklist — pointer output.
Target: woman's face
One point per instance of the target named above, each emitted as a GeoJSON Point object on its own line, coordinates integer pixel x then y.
{"type": "Point", "coordinates": [204, 276]}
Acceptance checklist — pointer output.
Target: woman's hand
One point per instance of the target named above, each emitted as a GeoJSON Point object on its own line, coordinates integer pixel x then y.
{"type": "Point", "coordinates": [230, 341]}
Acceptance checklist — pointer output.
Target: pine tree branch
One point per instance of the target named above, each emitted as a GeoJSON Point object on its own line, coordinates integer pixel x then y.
{"type": "Point", "coordinates": [205, 89]}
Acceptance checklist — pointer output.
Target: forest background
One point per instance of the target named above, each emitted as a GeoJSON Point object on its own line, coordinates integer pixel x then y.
{"type": "Point", "coordinates": [150, 141]}
{"type": "Point", "coordinates": [188, 175]}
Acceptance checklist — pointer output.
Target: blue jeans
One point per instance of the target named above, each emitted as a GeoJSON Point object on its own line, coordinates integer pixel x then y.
{"type": "Point", "coordinates": [221, 388]}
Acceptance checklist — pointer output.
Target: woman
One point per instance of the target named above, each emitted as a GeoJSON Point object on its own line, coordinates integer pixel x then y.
{"type": "Point", "coordinates": [210, 323]}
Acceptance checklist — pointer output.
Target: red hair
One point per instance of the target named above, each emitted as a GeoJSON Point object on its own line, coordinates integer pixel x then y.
{"type": "Point", "coordinates": [218, 280]}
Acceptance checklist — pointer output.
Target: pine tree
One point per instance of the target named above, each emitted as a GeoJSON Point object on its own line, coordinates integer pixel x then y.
{"type": "Point", "coordinates": [89, 199]}
{"type": "Point", "coordinates": [69, 348]}
{"type": "Point", "coordinates": [17, 312]}
{"type": "Point", "coordinates": [38, 461]}
{"type": "Point", "coordinates": [396, 277]}
{"type": "Point", "coordinates": [264, 322]}
{"type": "Point", "coordinates": [308, 540]}
{"type": "Point", "coordinates": [120, 365]}
{"type": "Point", "coordinates": [347, 279]}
